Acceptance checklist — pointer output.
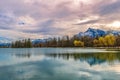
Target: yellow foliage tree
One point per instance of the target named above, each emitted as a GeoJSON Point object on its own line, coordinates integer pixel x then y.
{"type": "Point", "coordinates": [101, 41]}
{"type": "Point", "coordinates": [110, 40]}
{"type": "Point", "coordinates": [78, 43]}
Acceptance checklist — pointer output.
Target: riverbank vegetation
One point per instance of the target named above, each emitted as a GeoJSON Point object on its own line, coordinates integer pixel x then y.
{"type": "Point", "coordinates": [107, 41]}
{"type": "Point", "coordinates": [26, 43]}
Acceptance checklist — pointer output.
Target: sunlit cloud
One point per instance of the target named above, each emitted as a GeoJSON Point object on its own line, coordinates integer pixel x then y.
{"type": "Point", "coordinates": [115, 24]}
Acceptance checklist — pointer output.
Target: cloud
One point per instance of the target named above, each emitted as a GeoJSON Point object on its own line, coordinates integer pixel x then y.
{"type": "Point", "coordinates": [4, 27]}
{"type": "Point", "coordinates": [47, 17]}
{"type": "Point", "coordinates": [110, 8]}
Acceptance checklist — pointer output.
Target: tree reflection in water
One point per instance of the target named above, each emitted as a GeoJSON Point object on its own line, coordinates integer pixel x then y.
{"type": "Point", "coordinates": [25, 55]}
{"type": "Point", "coordinates": [91, 58]}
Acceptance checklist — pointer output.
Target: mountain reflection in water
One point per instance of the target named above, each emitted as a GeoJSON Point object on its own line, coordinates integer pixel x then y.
{"type": "Point", "coordinates": [90, 58]}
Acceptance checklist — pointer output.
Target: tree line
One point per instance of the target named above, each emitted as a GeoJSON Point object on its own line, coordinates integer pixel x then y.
{"type": "Point", "coordinates": [26, 43]}
{"type": "Point", "coordinates": [75, 41]}
{"type": "Point", "coordinates": [103, 41]}
{"type": "Point", "coordinates": [85, 41]}
{"type": "Point", "coordinates": [56, 42]}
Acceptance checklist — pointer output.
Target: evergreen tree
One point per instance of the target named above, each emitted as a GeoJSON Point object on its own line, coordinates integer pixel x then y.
{"type": "Point", "coordinates": [29, 44]}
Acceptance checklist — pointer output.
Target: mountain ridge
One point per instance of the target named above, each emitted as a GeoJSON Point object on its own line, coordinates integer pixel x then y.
{"type": "Point", "coordinates": [97, 33]}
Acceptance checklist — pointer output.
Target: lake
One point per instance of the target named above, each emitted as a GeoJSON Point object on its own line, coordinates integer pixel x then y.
{"type": "Point", "coordinates": [59, 64]}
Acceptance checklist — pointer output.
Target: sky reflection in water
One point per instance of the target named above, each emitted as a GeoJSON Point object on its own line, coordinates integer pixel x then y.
{"type": "Point", "coordinates": [59, 64]}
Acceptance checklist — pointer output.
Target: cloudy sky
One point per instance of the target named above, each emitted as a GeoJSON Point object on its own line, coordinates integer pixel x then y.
{"type": "Point", "coordinates": [45, 18]}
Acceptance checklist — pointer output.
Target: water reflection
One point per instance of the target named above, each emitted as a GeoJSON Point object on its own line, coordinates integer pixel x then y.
{"type": "Point", "coordinates": [23, 55]}
{"type": "Point", "coordinates": [90, 58]}
{"type": "Point", "coordinates": [58, 64]}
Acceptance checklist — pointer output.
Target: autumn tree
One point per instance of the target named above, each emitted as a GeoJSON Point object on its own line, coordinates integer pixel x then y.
{"type": "Point", "coordinates": [107, 41]}
{"type": "Point", "coordinates": [110, 40]}
{"type": "Point", "coordinates": [117, 41]}
{"type": "Point", "coordinates": [78, 43]}
{"type": "Point", "coordinates": [101, 41]}
{"type": "Point", "coordinates": [88, 41]}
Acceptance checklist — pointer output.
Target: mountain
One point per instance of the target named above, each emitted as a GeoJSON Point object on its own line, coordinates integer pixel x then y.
{"type": "Point", "coordinates": [97, 33]}
{"type": "Point", "coordinates": [37, 41]}
{"type": "Point", "coordinates": [5, 41]}
{"type": "Point", "coordinates": [113, 32]}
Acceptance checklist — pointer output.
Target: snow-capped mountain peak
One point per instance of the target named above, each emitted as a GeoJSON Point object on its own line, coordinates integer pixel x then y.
{"type": "Point", "coordinates": [96, 33]}
{"type": "Point", "coordinates": [5, 40]}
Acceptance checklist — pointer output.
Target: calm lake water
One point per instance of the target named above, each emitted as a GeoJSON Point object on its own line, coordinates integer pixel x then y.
{"type": "Point", "coordinates": [59, 64]}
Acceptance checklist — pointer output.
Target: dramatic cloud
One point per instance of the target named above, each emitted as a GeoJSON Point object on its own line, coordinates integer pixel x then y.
{"type": "Point", "coordinates": [46, 18]}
